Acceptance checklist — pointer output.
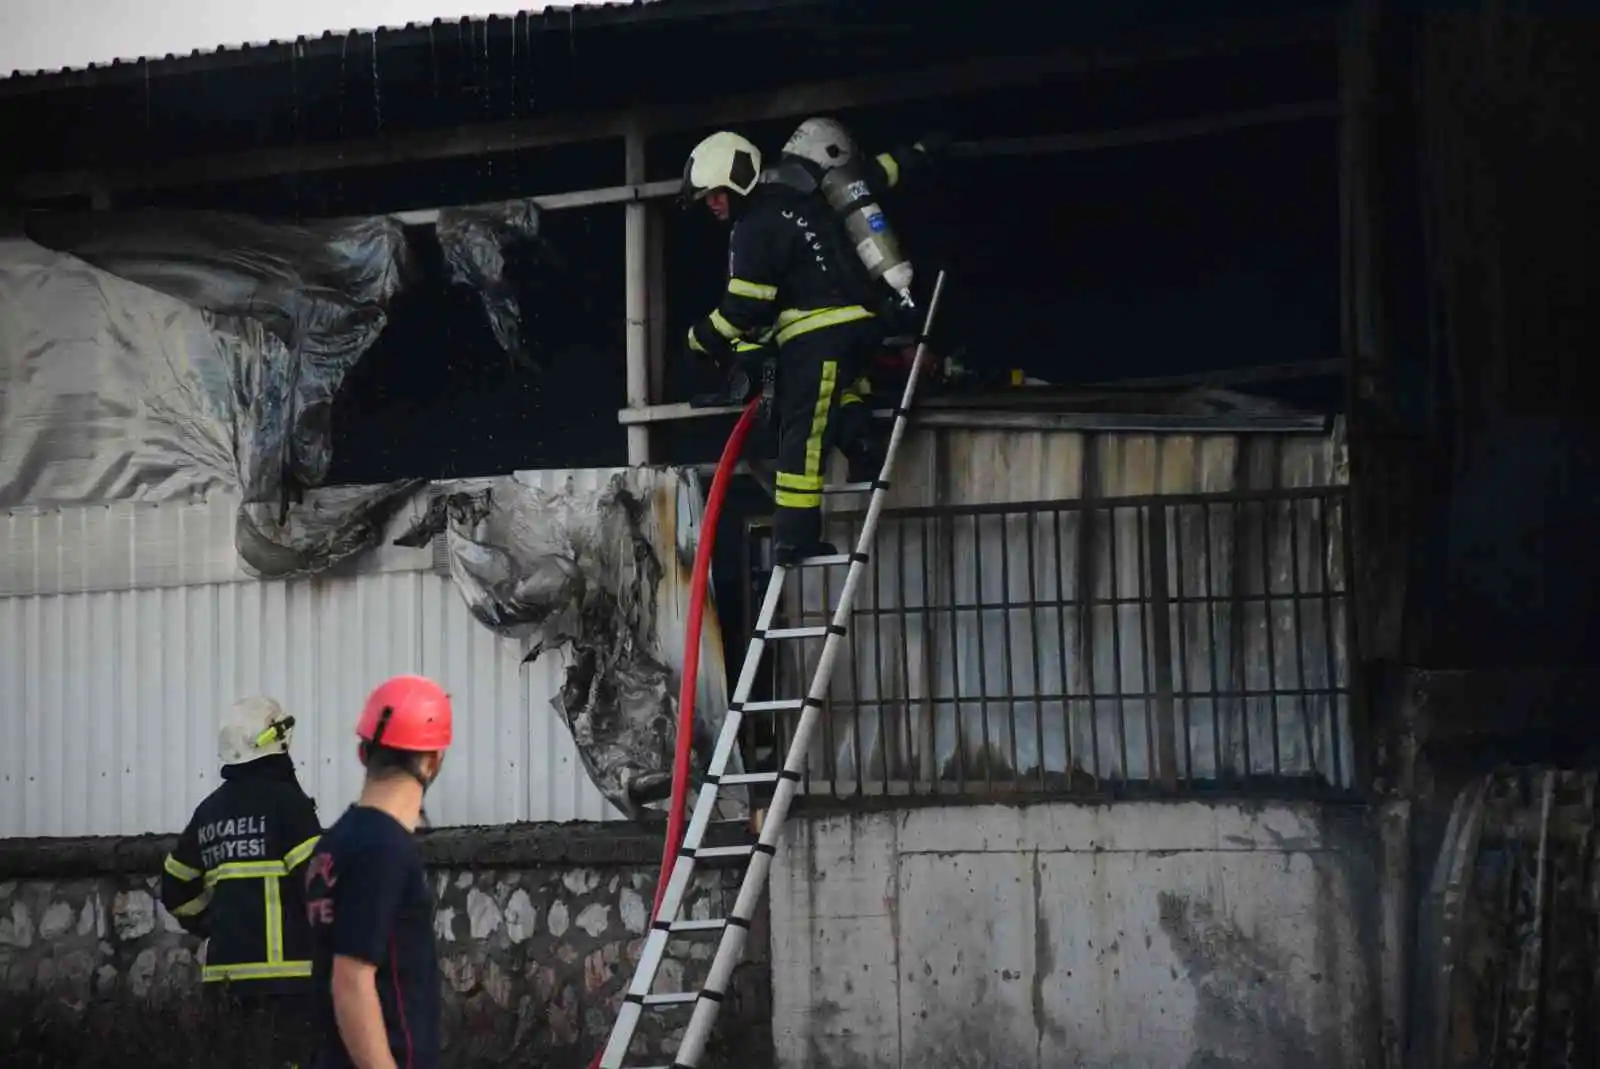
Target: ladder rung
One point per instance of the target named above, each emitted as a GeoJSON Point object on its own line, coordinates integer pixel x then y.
{"type": "Point", "coordinates": [739, 778]}
{"type": "Point", "coordinates": [779, 706]}
{"type": "Point", "coordinates": [797, 632]}
{"type": "Point", "coordinates": [825, 560]}
{"type": "Point", "coordinates": [699, 926]}
{"type": "Point", "coordinates": [672, 998]}
{"type": "Point", "coordinates": [723, 851]}
{"type": "Point", "coordinates": [848, 488]}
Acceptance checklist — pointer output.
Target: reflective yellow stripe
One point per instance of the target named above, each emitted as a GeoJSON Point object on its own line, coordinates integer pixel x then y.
{"type": "Point", "coordinates": [272, 894]}
{"type": "Point", "coordinates": [245, 870]}
{"type": "Point", "coordinates": [257, 970]}
{"type": "Point", "coordinates": [754, 290]}
{"type": "Point", "coordinates": [179, 871]}
{"type": "Point", "coordinates": [746, 346]}
{"type": "Point", "coordinates": [720, 324]}
{"type": "Point", "coordinates": [850, 397]}
{"type": "Point", "coordinates": [195, 905]}
{"type": "Point", "coordinates": [790, 481]}
{"type": "Point", "coordinates": [891, 168]}
{"type": "Point", "coordinates": [793, 322]}
{"type": "Point", "coordinates": [819, 419]}
{"type": "Point", "coordinates": [694, 342]}
{"type": "Point", "coordinates": [795, 499]}
{"type": "Point", "coordinates": [297, 855]}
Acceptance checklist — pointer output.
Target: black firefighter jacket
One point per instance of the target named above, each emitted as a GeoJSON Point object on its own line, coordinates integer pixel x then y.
{"type": "Point", "coordinates": [236, 877]}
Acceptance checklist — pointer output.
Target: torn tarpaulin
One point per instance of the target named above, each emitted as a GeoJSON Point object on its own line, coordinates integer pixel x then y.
{"type": "Point", "coordinates": [601, 577]}
{"type": "Point", "coordinates": [476, 243]}
{"type": "Point", "coordinates": [154, 354]}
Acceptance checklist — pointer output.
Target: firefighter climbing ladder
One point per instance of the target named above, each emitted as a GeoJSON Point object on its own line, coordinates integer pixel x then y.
{"type": "Point", "coordinates": [735, 928]}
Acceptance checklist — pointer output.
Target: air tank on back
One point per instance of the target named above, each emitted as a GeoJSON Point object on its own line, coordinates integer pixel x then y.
{"type": "Point", "coordinates": [850, 197]}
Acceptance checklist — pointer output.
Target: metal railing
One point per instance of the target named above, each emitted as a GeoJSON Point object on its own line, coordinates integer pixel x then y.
{"type": "Point", "coordinates": [1168, 644]}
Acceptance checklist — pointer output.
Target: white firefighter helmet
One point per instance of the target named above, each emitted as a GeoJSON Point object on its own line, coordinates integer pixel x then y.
{"type": "Point", "coordinates": [254, 728]}
{"type": "Point", "coordinates": [724, 160]}
{"type": "Point", "coordinates": [824, 142]}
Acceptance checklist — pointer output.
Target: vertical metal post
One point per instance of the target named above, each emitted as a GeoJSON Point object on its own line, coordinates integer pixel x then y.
{"type": "Point", "coordinates": [656, 297]}
{"type": "Point", "coordinates": [636, 257]}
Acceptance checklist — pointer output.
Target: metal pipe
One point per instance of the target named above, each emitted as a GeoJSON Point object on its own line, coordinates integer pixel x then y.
{"type": "Point", "coordinates": [628, 193]}
{"type": "Point", "coordinates": [636, 272]}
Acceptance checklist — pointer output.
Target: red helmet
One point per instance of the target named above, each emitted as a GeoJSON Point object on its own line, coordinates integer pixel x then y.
{"type": "Point", "coordinates": [407, 713]}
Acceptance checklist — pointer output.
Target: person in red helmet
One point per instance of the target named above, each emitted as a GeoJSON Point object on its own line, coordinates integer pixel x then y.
{"type": "Point", "coordinates": [375, 969]}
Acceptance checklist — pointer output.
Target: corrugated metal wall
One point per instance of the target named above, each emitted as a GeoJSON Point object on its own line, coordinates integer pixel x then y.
{"type": "Point", "coordinates": [126, 630]}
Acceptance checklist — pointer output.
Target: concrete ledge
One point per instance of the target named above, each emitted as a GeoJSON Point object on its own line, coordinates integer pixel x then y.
{"type": "Point", "coordinates": [506, 846]}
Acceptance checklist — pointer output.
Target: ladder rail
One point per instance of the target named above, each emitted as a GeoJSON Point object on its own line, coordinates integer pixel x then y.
{"type": "Point", "coordinates": [682, 877]}
{"type": "Point", "coordinates": [735, 928]}
{"type": "Point", "coordinates": [730, 951]}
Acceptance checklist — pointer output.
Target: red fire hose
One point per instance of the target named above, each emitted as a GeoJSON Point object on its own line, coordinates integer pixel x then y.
{"type": "Point", "coordinates": [691, 655]}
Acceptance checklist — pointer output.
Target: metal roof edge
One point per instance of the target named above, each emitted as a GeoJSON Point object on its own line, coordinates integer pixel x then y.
{"type": "Point", "coordinates": [551, 18]}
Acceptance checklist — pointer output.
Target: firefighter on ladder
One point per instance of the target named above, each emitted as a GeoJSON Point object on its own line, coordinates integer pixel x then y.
{"type": "Point", "coordinates": [234, 877]}
{"type": "Point", "coordinates": [819, 146]}
{"type": "Point", "coordinates": [791, 282]}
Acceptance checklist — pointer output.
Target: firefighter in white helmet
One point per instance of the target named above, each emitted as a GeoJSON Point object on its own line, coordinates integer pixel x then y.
{"type": "Point", "coordinates": [821, 155]}
{"type": "Point", "coordinates": [236, 875]}
{"type": "Point", "coordinates": [790, 281]}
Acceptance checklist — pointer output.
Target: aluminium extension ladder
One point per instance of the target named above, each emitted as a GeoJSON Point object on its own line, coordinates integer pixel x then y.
{"type": "Point", "coordinates": [735, 928]}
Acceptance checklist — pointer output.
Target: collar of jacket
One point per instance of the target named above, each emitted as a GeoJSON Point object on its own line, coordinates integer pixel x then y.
{"type": "Point", "coordinates": [279, 766]}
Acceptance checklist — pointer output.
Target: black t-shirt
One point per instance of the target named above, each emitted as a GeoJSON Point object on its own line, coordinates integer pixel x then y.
{"type": "Point", "coordinates": [367, 898]}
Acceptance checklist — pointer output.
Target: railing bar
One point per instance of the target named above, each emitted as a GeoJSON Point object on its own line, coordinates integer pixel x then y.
{"type": "Point", "coordinates": [1178, 550]}
{"type": "Point", "coordinates": [1116, 645]}
{"type": "Point", "coordinates": [1268, 548]}
{"type": "Point", "coordinates": [878, 674]}
{"type": "Point", "coordinates": [1061, 637]}
{"type": "Point", "coordinates": [1309, 739]}
{"type": "Point", "coordinates": [955, 656]}
{"type": "Point", "coordinates": [1211, 643]}
{"type": "Point", "coordinates": [1102, 603]}
{"type": "Point", "coordinates": [1033, 635]}
{"type": "Point", "coordinates": [1330, 665]}
{"type": "Point", "coordinates": [1101, 504]}
{"type": "Point", "coordinates": [983, 661]}
{"type": "Point", "coordinates": [1085, 578]}
{"type": "Point", "coordinates": [1130, 696]}
{"type": "Point", "coordinates": [932, 686]}
{"type": "Point", "coordinates": [910, 754]}
{"type": "Point", "coordinates": [1141, 562]}
{"type": "Point", "coordinates": [1236, 627]}
{"type": "Point", "coordinates": [855, 672]}
{"type": "Point", "coordinates": [1008, 653]}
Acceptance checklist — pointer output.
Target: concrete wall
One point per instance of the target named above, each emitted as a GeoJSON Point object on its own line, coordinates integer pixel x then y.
{"type": "Point", "coordinates": [1130, 935]}
{"type": "Point", "coordinates": [539, 930]}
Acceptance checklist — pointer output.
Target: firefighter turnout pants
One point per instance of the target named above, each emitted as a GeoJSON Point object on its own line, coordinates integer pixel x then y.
{"type": "Point", "coordinates": [821, 405]}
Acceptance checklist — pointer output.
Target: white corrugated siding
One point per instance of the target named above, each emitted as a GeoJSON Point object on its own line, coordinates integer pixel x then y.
{"type": "Point", "coordinates": [109, 700]}
{"type": "Point", "coordinates": [110, 691]}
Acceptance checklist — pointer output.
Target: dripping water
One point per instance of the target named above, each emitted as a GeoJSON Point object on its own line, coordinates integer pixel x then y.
{"type": "Point", "coordinates": [344, 57]}
{"type": "Point", "coordinates": [377, 87]}
{"type": "Point", "coordinates": [296, 133]}
{"type": "Point", "coordinates": [488, 107]}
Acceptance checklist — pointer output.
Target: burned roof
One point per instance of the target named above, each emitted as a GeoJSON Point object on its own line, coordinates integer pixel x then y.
{"type": "Point", "coordinates": [562, 17]}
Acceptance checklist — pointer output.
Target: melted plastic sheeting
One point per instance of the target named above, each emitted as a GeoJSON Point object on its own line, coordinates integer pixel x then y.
{"type": "Point", "coordinates": [476, 242]}
{"type": "Point", "coordinates": [601, 578]}
{"type": "Point", "coordinates": [155, 354]}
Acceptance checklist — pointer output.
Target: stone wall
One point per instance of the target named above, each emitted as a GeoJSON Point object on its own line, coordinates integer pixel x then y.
{"type": "Point", "coordinates": [539, 929]}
